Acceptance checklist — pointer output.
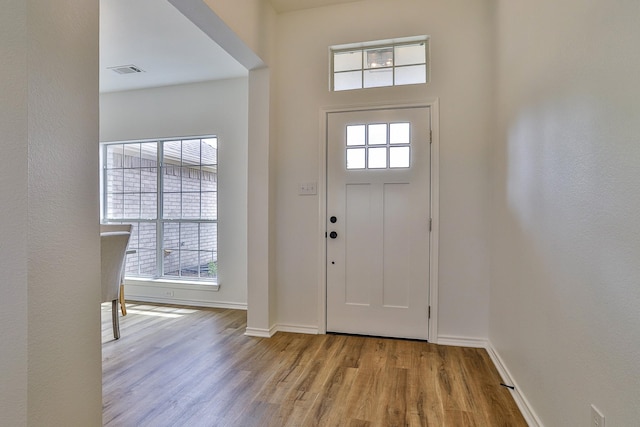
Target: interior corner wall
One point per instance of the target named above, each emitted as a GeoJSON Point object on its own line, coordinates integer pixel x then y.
{"type": "Point", "coordinates": [565, 300]}
{"type": "Point", "coordinates": [219, 108]}
{"type": "Point", "coordinates": [460, 77]}
{"type": "Point", "coordinates": [50, 251]}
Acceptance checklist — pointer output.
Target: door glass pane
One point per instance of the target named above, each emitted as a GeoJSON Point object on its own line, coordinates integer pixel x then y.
{"type": "Point", "coordinates": [413, 74]}
{"type": "Point", "coordinates": [355, 158]}
{"type": "Point", "coordinates": [399, 157]}
{"type": "Point", "coordinates": [399, 133]}
{"type": "Point", "coordinates": [348, 80]}
{"type": "Point", "coordinates": [378, 158]}
{"type": "Point", "coordinates": [378, 134]}
{"type": "Point", "coordinates": [355, 135]}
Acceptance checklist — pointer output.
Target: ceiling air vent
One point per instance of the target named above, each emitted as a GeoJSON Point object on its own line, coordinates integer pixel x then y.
{"type": "Point", "coordinates": [126, 69]}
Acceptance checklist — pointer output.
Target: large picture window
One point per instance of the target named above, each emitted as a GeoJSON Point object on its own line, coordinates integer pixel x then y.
{"type": "Point", "coordinates": [168, 190]}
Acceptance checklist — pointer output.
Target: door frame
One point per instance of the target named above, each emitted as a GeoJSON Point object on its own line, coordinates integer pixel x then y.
{"type": "Point", "coordinates": [433, 105]}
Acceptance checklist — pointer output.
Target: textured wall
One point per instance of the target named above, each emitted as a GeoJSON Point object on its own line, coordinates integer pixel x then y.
{"type": "Point", "coordinates": [209, 108]}
{"type": "Point", "coordinates": [565, 300]}
{"type": "Point", "coordinates": [50, 362]}
{"type": "Point", "coordinates": [13, 214]}
{"type": "Point", "coordinates": [460, 33]}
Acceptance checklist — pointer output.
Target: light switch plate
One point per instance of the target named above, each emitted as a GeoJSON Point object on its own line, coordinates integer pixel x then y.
{"type": "Point", "coordinates": [307, 188]}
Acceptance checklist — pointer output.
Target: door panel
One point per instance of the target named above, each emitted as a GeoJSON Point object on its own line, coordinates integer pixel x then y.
{"type": "Point", "coordinates": [378, 188]}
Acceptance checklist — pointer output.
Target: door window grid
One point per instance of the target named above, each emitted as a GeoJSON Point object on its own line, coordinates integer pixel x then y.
{"type": "Point", "coordinates": [168, 190]}
{"type": "Point", "coordinates": [378, 146]}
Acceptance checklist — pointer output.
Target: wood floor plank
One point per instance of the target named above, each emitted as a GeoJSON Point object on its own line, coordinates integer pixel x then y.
{"type": "Point", "coordinates": [180, 366]}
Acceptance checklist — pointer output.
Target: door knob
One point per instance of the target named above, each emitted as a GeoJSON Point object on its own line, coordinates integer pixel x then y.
{"type": "Point", "coordinates": [333, 234]}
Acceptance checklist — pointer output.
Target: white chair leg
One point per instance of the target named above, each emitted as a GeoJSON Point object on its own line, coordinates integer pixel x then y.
{"type": "Point", "coordinates": [114, 317]}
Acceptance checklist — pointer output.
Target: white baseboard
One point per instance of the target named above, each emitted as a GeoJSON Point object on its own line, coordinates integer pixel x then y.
{"type": "Point", "coordinates": [523, 404]}
{"type": "Point", "coordinates": [189, 302]}
{"type": "Point", "coordinates": [298, 329]}
{"type": "Point", "coordinates": [461, 341]}
{"type": "Point", "coordinates": [260, 332]}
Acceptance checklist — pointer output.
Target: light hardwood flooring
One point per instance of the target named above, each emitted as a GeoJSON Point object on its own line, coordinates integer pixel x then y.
{"type": "Point", "coordinates": [179, 366]}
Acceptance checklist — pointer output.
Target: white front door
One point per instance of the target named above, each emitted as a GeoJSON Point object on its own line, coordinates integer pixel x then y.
{"type": "Point", "coordinates": [378, 213]}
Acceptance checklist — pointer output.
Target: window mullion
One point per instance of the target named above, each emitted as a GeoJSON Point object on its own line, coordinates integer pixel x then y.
{"type": "Point", "coordinates": [159, 209]}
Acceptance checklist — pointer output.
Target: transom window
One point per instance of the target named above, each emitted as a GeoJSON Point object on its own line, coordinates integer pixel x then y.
{"type": "Point", "coordinates": [378, 146]}
{"type": "Point", "coordinates": [391, 64]}
{"type": "Point", "coordinates": [168, 190]}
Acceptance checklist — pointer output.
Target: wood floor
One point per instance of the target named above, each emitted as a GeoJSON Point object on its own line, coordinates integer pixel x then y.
{"type": "Point", "coordinates": [178, 366]}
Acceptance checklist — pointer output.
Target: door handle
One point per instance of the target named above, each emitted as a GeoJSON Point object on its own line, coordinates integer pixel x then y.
{"type": "Point", "coordinates": [333, 234]}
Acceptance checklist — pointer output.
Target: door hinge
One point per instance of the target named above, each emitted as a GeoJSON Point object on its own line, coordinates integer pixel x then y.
{"type": "Point", "coordinates": [429, 313]}
{"type": "Point", "coordinates": [430, 136]}
{"type": "Point", "coordinates": [430, 223]}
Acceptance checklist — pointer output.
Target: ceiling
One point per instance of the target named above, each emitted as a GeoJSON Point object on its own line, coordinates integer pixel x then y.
{"type": "Point", "coordinates": [156, 38]}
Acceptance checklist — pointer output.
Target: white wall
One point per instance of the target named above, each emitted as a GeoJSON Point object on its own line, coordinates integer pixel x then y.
{"type": "Point", "coordinates": [218, 108]}
{"type": "Point", "coordinates": [13, 217]}
{"type": "Point", "coordinates": [50, 256]}
{"type": "Point", "coordinates": [565, 297]}
{"type": "Point", "coordinates": [461, 37]}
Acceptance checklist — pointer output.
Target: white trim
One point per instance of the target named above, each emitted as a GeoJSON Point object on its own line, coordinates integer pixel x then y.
{"type": "Point", "coordinates": [259, 332]}
{"type": "Point", "coordinates": [523, 404]}
{"type": "Point", "coordinates": [434, 242]}
{"type": "Point", "coordinates": [165, 283]}
{"type": "Point", "coordinates": [434, 107]}
{"type": "Point", "coordinates": [189, 302]}
{"type": "Point", "coordinates": [462, 341]}
{"type": "Point", "coordinates": [298, 329]}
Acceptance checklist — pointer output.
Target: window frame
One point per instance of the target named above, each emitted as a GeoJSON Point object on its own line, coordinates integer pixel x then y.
{"type": "Point", "coordinates": [378, 45]}
{"type": "Point", "coordinates": [159, 275]}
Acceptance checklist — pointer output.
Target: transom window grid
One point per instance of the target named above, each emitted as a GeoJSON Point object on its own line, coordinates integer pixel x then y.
{"type": "Point", "coordinates": [168, 190]}
{"type": "Point", "coordinates": [378, 146]}
{"type": "Point", "coordinates": [378, 66]}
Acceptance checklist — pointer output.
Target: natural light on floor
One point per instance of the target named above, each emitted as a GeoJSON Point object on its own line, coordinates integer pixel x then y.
{"type": "Point", "coordinates": [156, 311]}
